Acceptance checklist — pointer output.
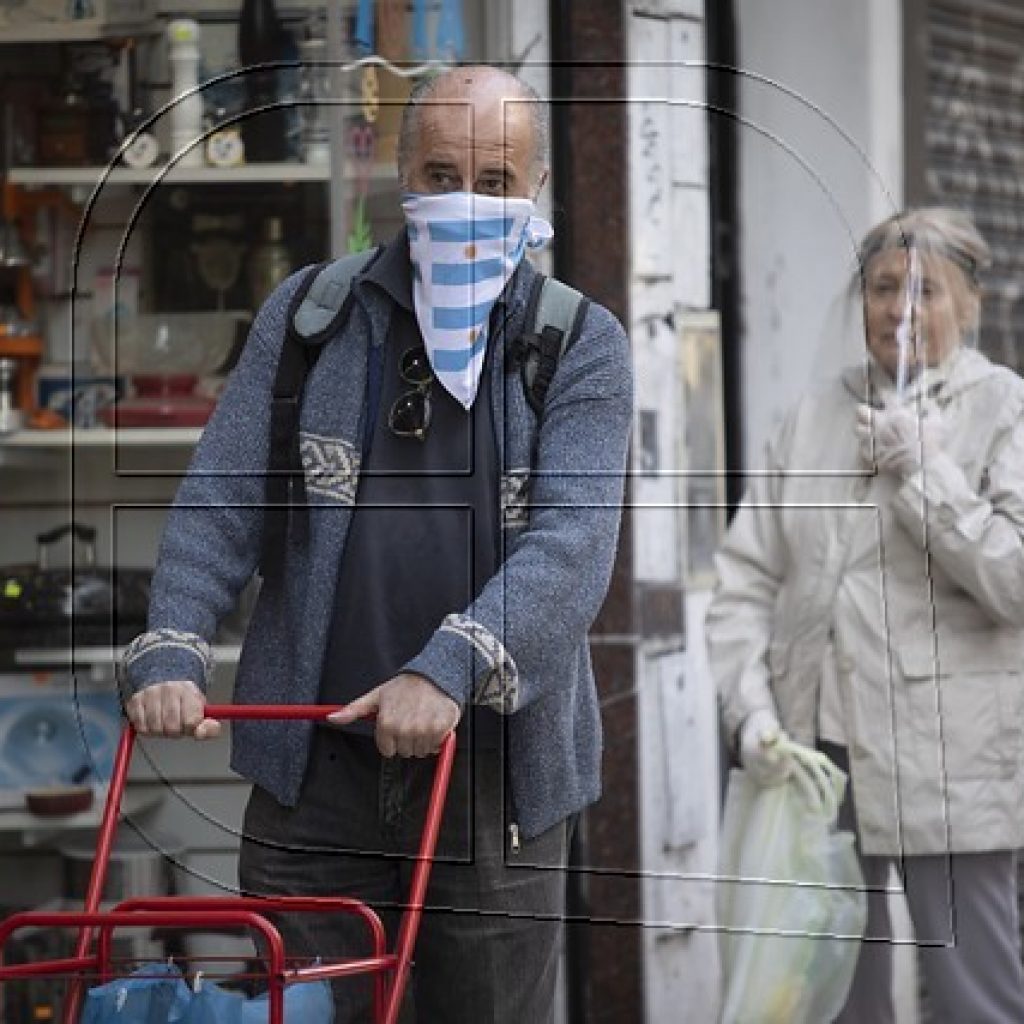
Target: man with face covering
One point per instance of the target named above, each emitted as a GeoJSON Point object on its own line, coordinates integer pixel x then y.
{"type": "Point", "coordinates": [457, 553]}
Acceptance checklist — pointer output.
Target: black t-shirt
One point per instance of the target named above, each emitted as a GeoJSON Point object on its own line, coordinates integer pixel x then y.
{"type": "Point", "coordinates": [425, 532]}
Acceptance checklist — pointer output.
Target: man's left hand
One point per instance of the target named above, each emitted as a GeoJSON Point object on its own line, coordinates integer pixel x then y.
{"type": "Point", "coordinates": [413, 715]}
{"type": "Point", "coordinates": [900, 439]}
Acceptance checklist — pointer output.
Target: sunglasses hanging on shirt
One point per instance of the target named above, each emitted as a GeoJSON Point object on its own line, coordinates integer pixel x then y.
{"type": "Point", "coordinates": [410, 412]}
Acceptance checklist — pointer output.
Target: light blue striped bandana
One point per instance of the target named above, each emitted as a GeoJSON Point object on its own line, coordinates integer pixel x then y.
{"type": "Point", "coordinates": [464, 248]}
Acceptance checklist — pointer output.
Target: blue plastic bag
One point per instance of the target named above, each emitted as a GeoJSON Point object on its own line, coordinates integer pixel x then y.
{"type": "Point", "coordinates": [158, 994]}
{"type": "Point", "coordinates": [214, 1005]}
{"type": "Point", "coordinates": [309, 1002]}
{"type": "Point", "coordinates": [154, 994]}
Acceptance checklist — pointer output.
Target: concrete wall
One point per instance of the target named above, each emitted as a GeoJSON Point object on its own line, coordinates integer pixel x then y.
{"type": "Point", "coordinates": [670, 264]}
{"type": "Point", "coordinates": [821, 161]}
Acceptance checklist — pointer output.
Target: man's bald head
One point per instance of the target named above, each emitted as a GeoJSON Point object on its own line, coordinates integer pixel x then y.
{"type": "Point", "coordinates": [480, 99]}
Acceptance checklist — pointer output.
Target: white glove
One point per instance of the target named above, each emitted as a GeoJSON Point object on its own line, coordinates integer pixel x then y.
{"type": "Point", "coordinates": [761, 751]}
{"type": "Point", "coordinates": [900, 439]}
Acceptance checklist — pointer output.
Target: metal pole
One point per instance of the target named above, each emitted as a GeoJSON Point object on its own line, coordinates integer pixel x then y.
{"type": "Point", "coordinates": [337, 113]}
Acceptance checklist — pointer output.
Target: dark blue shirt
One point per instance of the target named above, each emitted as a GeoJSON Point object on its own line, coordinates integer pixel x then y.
{"type": "Point", "coordinates": [425, 532]}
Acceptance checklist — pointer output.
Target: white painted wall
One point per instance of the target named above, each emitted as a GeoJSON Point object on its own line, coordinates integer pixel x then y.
{"type": "Point", "coordinates": [670, 261]}
{"type": "Point", "coordinates": [807, 193]}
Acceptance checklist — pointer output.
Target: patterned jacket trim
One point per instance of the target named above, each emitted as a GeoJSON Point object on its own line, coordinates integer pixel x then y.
{"type": "Point", "coordinates": [331, 467]}
{"type": "Point", "coordinates": [515, 499]}
{"type": "Point", "coordinates": [157, 639]}
{"type": "Point", "coordinates": [498, 687]}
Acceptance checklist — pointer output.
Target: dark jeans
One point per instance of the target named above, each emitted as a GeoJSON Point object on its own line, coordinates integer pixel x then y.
{"type": "Point", "coordinates": [488, 946]}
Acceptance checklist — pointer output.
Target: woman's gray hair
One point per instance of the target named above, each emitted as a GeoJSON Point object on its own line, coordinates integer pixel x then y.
{"type": "Point", "coordinates": [940, 230]}
{"type": "Point", "coordinates": [424, 91]}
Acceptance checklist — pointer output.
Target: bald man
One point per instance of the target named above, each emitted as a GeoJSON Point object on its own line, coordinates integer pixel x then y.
{"type": "Point", "coordinates": [457, 549]}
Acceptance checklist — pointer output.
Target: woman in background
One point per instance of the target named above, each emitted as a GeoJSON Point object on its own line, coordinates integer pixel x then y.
{"type": "Point", "coordinates": [871, 603]}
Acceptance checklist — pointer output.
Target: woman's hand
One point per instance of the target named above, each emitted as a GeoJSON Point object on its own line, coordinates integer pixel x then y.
{"type": "Point", "coordinates": [900, 439]}
{"type": "Point", "coordinates": [761, 752]}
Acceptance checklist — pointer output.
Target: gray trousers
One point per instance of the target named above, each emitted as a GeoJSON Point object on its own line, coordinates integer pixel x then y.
{"type": "Point", "coordinates": [489, 941]}
{"type": "Point", "coordinates": [964, 912]}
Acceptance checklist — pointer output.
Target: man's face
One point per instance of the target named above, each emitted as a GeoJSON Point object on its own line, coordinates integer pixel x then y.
{"type": "Point", "coordinates": [939, 318]}
{"type": "Point", "coordinates": [474, 139]}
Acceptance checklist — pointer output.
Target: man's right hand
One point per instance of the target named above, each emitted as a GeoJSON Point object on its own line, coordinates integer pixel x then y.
{"type": "Point", "coordinates": [171, 709]}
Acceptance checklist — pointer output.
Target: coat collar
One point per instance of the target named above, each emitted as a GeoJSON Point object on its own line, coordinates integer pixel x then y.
{"type": "Point", "coordinates": [964, 369]}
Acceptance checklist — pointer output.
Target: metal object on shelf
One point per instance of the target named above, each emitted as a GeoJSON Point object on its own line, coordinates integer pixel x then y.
{"type": "Point", "coordinates": [314, 91]}
{"type": "Point", "coordinates": [270, 262]}
{"type": "Point", "coordinates": [11, 418]}
{"type": "Point", "coordinates": [44, 607]}
{"type": "Point", "coordinates": [13, 255]}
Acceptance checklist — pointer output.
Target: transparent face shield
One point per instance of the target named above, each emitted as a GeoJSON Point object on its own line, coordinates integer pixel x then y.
{"type": "Point", "coordinates": [908, 330]}
{"type": "Point", "coordinates": [901, 323]}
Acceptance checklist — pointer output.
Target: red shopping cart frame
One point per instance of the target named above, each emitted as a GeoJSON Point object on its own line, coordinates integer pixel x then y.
{"type": "Point", "coordinates": [96, 927]}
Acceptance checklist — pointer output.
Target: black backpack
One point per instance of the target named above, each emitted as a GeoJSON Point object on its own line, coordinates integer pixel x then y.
{"type": "Point", "coordinates": [318, 311]}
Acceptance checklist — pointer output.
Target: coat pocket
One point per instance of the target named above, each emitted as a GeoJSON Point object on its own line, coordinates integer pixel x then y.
{"type": "Point", "coordinates": [964, 691]}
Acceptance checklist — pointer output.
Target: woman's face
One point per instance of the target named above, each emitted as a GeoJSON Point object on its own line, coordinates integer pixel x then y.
{"type": "Point", "coordinates": [944, 309]}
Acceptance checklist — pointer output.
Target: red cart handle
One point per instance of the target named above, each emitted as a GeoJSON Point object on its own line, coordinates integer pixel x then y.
{"type": "Point", "coordinates": [240, 712]}
{"type": "Point", "coordinates": [315, 712]}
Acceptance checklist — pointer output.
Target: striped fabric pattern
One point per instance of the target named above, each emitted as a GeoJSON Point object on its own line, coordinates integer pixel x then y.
{"type": "Point", "coordinates": [464, 248]}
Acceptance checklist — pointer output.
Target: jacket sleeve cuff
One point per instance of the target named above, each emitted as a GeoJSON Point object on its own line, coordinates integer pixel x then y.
{"type": "Point", "coordinates": [735, 717]}
{"type": "Point", "coordinates": [470, 664]}
{"type": "Point", "coordinates": [162, 655]}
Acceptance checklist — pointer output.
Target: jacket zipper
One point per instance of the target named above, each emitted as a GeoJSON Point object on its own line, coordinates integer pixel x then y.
{"type": "Point", "coordinates": [513, 830]}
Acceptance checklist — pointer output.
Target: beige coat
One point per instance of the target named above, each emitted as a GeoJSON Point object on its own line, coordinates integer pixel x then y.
{"type": "Point", "coordinates": [915, 589]}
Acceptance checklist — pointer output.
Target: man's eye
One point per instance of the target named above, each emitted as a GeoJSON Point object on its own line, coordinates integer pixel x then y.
{"type": "Point", "coordinates": [443, 181]}
{"type": "Point", "coordinates": [491, 186]}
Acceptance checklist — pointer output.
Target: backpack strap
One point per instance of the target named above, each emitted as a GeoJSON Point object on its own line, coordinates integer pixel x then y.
{"type": "Point", "coordinates": [318, 310]}
{"type": "Point", "coordinates": [555, 314]}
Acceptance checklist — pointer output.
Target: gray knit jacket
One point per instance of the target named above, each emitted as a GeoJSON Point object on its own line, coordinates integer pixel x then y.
{"type": "Point", "coordinates": [521, 648]}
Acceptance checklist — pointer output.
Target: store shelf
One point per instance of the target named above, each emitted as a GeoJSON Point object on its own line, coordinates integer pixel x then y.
{"type": "Point", "coordinates": [36, 829]}
{"type": "Point", "coordinates": [102, 437]}
{"type": "Point", "coordinates": [223, 654]}
{"type": "Point", "coordinates": [276, 172]}
{"type": "Point", "coordinates": [81, 30]}
{"type": "Point", "coordinates": [229, 8]}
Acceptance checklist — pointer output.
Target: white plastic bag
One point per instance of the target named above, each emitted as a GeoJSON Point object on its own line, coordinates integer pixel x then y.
{"type": "Point", "coordinates": [791, 901]}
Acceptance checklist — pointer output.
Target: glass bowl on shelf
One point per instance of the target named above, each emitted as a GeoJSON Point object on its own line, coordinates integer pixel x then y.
{"type": "Point", "coordinates": [164, 356]}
